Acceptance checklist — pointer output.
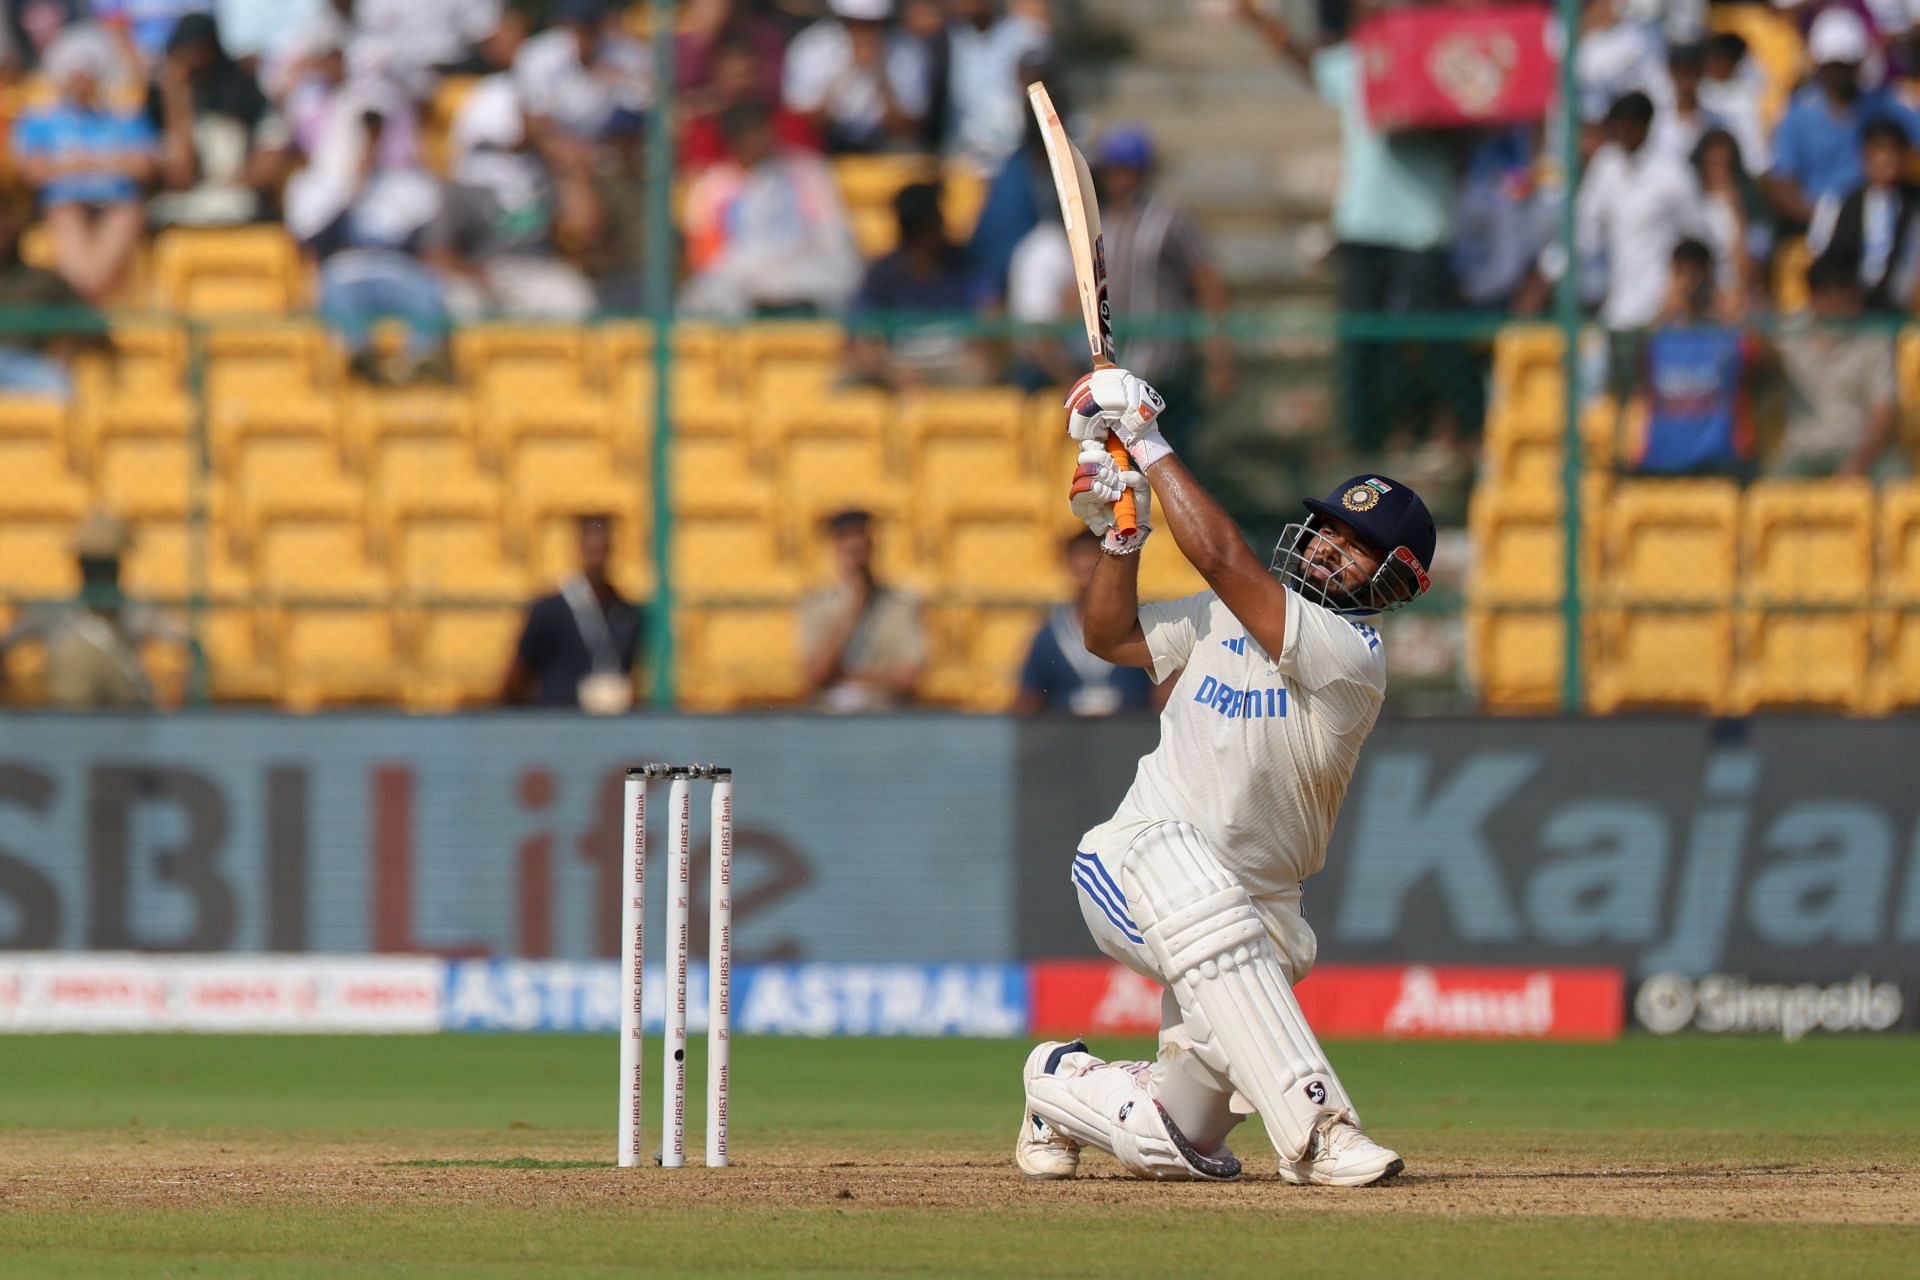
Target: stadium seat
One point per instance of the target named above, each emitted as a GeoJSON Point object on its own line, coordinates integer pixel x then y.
{"type": "Point", "coordinates": [312, 556]}
{"type": "Point", "coordinates": [735, 658]}
{"type": "Point", "coordinates": [1670, 541]}
{"type": "Point", "coordinates": [299, 474]}
{"type": "Point", "coordinates": [1791, 259]}
{"type": "Point", "coordinates": [1895, 681]}
{"type": "Point", "coordinates": [337, 656]}
{"type": "Point", "coordinates": [1775, 45]}
{"type": "Point", "coordinates": [1517, 658]}
{"type": "Point", "coordinates": [1899, 577]}
{"type": "Point", "coordinates": [450, 93]}
{"type": "Point", "coordinates": [1529, 383]}
{"type": "Point", "coordinates": [999, 559]}
{"type": "Point", "coordinates": [717, 476]}
{"type": "Point", "coordinates": [36, 555]}
{"type": "Point", "coordinates": [415, 474]}
{"type": "Point", "coordinates": [459, 656]}
{"type": "Point", "coordinates": [1001, 638]}
{"type": "Point", "coordinates": [242, 647]}
{"type": "Point", "coordinates": [870, 181]}
{"type": "Point", "coordinates": [228, 271]}
{"type": "Point", "coordinates": [1164, 572]}
{"type": "Point", "coordinates": [998, 412]}
{"type": "Point", "coordinates": [1802, 660]}
{"type": "Point", "coordinates": [819, 476]}
{"type": "Point", "coordinates": [140, 388]}
{"type": "Point", "coordinates": [146, 477]}
{"type": "Point", "coordinates": [1809, 542]}
{"type": "Point", "coordinates": [448, 555]}
{"type": "Point", "coordinates": [374, 415]}
{"type": "Point", "coordinates": [799, 399]}
{"type": "Point", "coordinates": [1519, 546]}
{"type": "Point", "coordinates": [568, 477]}
{"type": "Point", "coordinates": [159, 565]}
{"type": "Point", "coordinates": [269, 380]}
{"type": "Point", "coordinates": [1675, 658]}
{"type": "Point", "coordinates": [961, 471]}
{"type": "Point", "coordinates": [731, 559]}
{"type": "Point", "coordinates": [33, 417]}
{"type": "Point", "coordinates": [801, 341]}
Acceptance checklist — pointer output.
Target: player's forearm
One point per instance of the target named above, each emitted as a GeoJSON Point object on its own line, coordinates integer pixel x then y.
{"type": "Point", "coordinates": [1204, 532]}
{"type": "Point", "coordinates": [1110, 619]}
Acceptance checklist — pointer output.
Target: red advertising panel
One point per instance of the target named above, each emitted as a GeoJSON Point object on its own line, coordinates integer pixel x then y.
{"type": "Point", "coordinates": [1080, 997]}
{"type": "Point", "coordinates": [1430, 68]}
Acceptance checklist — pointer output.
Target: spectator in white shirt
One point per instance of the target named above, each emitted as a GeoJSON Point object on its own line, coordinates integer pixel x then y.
{"type": "Point", "coordinates": [581, 77]}
{"type": "Point", "coordinates": [987, 101]}
{"type": "Point", "coordinates": [866, 89]}
{"type": "Point", "coordinates": [1732, 88]}
{"type": "Point", "coordinates": [411, 39]}
{"type": "Point", "coordinates": [1680, 119]}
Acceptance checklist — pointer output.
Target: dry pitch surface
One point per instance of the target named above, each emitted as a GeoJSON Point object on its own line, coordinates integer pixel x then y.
{"type": "Point", "coordinates": [479, 1156]}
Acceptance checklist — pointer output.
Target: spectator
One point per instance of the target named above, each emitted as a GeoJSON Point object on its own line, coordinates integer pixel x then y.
{"type": "Point", "coordinates": [1019, 196]}
{"type": "Point", "coordinates": [862, 644]}
{"type": "Point", "coordinates": [1696, 383]}
{"type": "Point", "coordinates": [1816, 148]}
{"type": "Point", "coordinates": [580, 645]}
{"type": "Point", "coordinates": [580, 77]}
{"type": "Point", "coordinates": [34, 361]}
{"type": "Point", "coordinates": [1060, 676]}
{"type": "Point", "coordinates": [706, 25]}
{"type": "Point", "coordinates": [1842, 390]}
{"type": "Point", "coordinates": [733, 86]}
{"type": "Point", "coordinates": [1619, 53]}
{"type": "Point", "coordinates": [1733, 90]}
{"type": "Point", "coordinates": [1634, 206]}
{"type": "Point", "coordinates": [224, 151]}
{"type": "Point", "coordinates": [366, 220]}
{"type": "Point", "coordinates": [28, 29]}
{"type": "Point", "coordinates": [767, 232]}
{"type": "Point", "coordinates": [87, 161]}
{"type": "Point", "coordinates": [1042, 290]}
{"type": "Point", "coordinates": [1680, 120]}
{"type": "Point", "coordinates": [1160, 265]}
{"type": "Point", "coordinates": [987, 103]}
{"type": "Point", "coordinates": [92, 643]}
{"type": "Point", "coordinates": [1393, 219]}
{"type": "Point", "coordinates": [254, 29]}
{"type": "Point", "coordinates": [1502, 222]}
{"type": "Point", "coordinates": [1735, 224]}
{"type": "Point", "coordinates": [613, 247]}
{"type": "Point", "coordinates": [414, 41]}
{"type": "Point", "coordinates": [927, 274]}
{"type": "Point", "coordinates": [147, 25]}
{"type": "Point", "coordinates": [494, 241]}
{"type": "Point", "coordinates": [1872, 229]}
{"type": "Point", "coordinates": [313, 91]}
{"type": "Point", "coordinates": [864, 88]}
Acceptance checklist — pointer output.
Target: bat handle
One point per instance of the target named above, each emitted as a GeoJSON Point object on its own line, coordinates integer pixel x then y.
{"type": "Point", "coordinates": [1126, 512]}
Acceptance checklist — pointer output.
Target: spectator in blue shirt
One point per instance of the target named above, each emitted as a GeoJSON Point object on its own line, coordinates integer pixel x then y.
{"type": "Point", "coordinates": [1697, 374]}
{"type": "Point", "coordinates": [1816, 148]}
{"type": "Point", "coordinates": [1060, 676]}
{"type": "Point", "coordinates": [931, 278]}
{"type": "Point", "coordinates": [89, 163]}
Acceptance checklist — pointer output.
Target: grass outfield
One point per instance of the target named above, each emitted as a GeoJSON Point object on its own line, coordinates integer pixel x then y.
{"type": "Point", "coordinates": [490, 1156]}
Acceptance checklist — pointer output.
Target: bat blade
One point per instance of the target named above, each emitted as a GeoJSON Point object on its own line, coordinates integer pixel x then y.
{"type": "Point", "coordinates": [1080, 215]}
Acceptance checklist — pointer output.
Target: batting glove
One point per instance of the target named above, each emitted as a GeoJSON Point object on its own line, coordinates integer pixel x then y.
{"type": "Point", "coordinates": [1117, 401]}
{"type": "Point", "coordinates": [1098, 483]}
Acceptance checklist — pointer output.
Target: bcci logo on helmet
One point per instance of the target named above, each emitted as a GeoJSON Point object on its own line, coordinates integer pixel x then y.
{"type": "Point", "coordinates": [1365, 496]}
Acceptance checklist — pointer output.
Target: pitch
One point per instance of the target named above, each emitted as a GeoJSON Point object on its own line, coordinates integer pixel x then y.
{"type": "Point", "coordinates": [492, 1156]}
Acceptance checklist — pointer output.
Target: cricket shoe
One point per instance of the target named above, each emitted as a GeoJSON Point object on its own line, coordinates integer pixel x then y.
{"type": "Point", "coordinates": [1339, 1155]}
{"type": "Point", "coordinates": [1039, 1151]}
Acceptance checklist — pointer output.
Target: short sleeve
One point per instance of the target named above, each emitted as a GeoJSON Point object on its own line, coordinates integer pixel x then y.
{"type": "Point", "coordinates": [1323, 649]}
{"type": "Point", "coordinates": [1173, 628]}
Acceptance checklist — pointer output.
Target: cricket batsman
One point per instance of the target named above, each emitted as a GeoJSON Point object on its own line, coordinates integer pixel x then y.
{"type": "Point", "coordinates": [1196, 881]}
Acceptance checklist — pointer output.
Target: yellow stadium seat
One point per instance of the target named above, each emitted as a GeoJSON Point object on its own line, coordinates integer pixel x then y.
{"type": "Point", "coordinates": [36, 556]}
{"type": "Point", "coordinates": [1896, 673]}
{"type": "Point", "coordinates": [291, 474]}
{"type": "Point", "coordinates": [1899, 579]}
{"type": "Point", "coordinates": [242, 648]}
{"type": "Point", "coordinates": [1519, 547]}
{"type": "Point", "coordinates": [958, 471]}
{"type": "Point", "coordinates": [732, 658]}
{"type": "Point", "coordinates": [963, 194]}
{"type": "Point", "coordinates": [717, 476]}
{"type": "Point", "coordinates": [267, 361]}
{"type": "Point", "coordinates": [820, 476]}
{"type": "Point", "coordinates": [253, 270]}
{"type": "Point", "coordinates": [309, 557]}
{"type": "Point", "coordinates": [454, 556]}
{"type": "Point", "coordinates": [815, 342]}
{"type": "Point", "coordinates": [35, 477]}
{"type": "Point", "coordinates": [1001, 639]}
{"type": "Point", "coordinates": [794, 400]}
{"type": "Point", "coordinates": [1802, 660]}
{"type": "Point", "coordinates": [876, 230]}
{"type": "Point", "coordinates": [873, 180]}
{"type": "Point", "coordinates": [450, 93]}
{"type": "Point", "coordinates": [147, 478]}
{"type": "Point", "coordinates": [731, 558]}
{"type": "Point", "coordinates": [159, 565]}
{"type": "Point", "coordinates": [1791, 259]}
{"type": "Point", "coordinates": [459, 657]}
{"type": "Point", "coordinates": [1529, 383]}
{"type": "Point", "coordinates": [169, 668]}
{"type": "Point", "coordinates": [1518, 658]}
{"type": "Point", "coordinates": [335, 656]}
{"type": "Point", "coordinates": [1000, 559]}
{"type": "Point", "coordinates": [1669, 658]}
{"type": "Point", "coordinates": [140, 388]}
{"type": "Point", "coordinates": [998, 412]}
{"type": "Point", "coordinates": [1670, 541]}
{"type": "Point", "coordinates": [412, 474]}
{"type": "Point", "coordinates": [1809, 542]}
{"type": "Point", "coordinates": [36, 417]}
{"type": "Point", "coordinates": [1774, 44]}
{"type": "Point", "coordinates": [568, 477]}
{"type": "Point", "coordinates": [1165, 574]}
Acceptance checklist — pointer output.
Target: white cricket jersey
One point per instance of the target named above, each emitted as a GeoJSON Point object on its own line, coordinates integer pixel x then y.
{"type": "Point", "coordinates": [1256, 752]}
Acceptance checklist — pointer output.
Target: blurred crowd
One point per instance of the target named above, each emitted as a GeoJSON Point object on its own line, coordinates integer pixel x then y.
{"type": "Point", "coordinates": [441, 160]}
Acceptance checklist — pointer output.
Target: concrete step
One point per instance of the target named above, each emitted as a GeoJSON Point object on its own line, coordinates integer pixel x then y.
{"type": "Point", "coordinates": [1266, 92]}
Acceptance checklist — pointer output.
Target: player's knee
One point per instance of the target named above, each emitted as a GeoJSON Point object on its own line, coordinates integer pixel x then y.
{"type": "Point", "coordinates": [1191, 910]}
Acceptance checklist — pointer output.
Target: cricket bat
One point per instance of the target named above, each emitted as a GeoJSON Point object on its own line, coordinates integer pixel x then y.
{"type": "Point", "coordinates": [1080, 212]}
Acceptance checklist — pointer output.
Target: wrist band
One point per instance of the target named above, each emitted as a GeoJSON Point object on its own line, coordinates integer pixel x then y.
{"type": "Point", "coordinates": [1149, 449]}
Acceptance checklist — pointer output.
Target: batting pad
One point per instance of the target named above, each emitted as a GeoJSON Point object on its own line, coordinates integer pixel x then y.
{"type": "Point", "coordinates": [1107, 1105]}
{"type": "Point", "coordinates": [1213, 950]}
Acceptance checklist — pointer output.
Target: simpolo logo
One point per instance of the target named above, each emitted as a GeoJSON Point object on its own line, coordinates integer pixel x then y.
{"type": "Point", "coordinates": [1721, 1003]}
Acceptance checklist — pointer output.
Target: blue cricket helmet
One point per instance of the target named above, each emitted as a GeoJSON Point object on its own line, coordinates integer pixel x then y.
{"type": "Point", "coordinates": [1393, 520]}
